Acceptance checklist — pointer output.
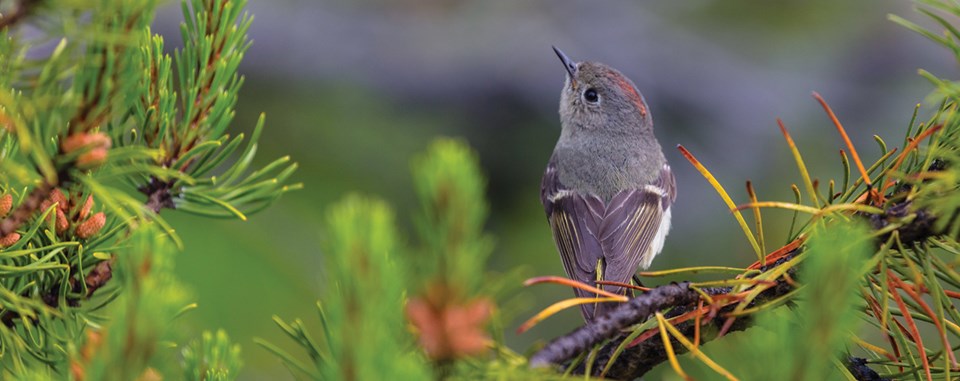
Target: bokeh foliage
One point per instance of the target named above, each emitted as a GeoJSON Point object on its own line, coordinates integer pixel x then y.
{"type": "Point", "coordinates": [385, 296]}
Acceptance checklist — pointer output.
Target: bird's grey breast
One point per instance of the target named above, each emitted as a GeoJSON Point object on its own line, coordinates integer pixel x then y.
{"type": "Point", "coordinates": [605, 169]}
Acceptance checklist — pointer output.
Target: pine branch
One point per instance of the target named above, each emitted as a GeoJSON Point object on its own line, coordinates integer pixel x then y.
{"type": "Point", "coordinates": [921, 228]}
{"type": "Point", "coordinates": [636, 361]}
{"type": "Point", "coordinates": [158, 195]}
{"type": "Point", "coordinates": [86, 118]}
{"type": "Point", "coordinates": [94, 280]}
{"type": "Point", "coordinates": [80, 149]}
{"type": "Point", "coordinates": [200, 99]}
{"type": "Point", "coordinates": [860, 371]}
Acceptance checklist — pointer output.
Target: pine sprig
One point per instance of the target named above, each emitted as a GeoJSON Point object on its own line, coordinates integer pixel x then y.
{"type": "Point", "coordinates": [188, 128]}
{"type": "Point", "coordinates": [211, 358]}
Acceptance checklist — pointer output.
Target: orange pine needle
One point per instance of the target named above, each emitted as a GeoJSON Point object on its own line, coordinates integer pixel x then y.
{"type": "Point", "coordinates": [574, 284]}
{"type": "Point", "coordinates": [913, 332]}
{"type": "Point", "coordinates": [695, 314]}
{"type": "Point", "coordinates": [643, 337]}
{"type": "Point", "coordinates": [910, 147]}
{"type": "Point", "coordinates": [923, 289]}
{"type": "Point", "coordinates": [846, 139]}
{"type": "Point", "coordinates": [696, 325]}
{"type": "Point", "coordinates": [779, 253]}
{"type": "Point", "coordinates": [927, 310]}
{"type": "Point", "coordinates": [726, 326]}
{"type": "Point", "coordinates": [876, 309]}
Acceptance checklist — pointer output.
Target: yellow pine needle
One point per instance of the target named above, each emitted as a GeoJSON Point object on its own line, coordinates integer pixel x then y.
{"type": "Point", "coordinates": [668, 347]}
{"type": "Point", "coordinates": [726, 198]}
{"type": "Point", "coordinates": [859, 180]}
{"type": "Point", "coordinates": [953, 326]}
{"type": "Point", "coordinates": [870, 347]}
{"type": "Point", "coordinates": [814, 211]}
{"type": "Point", "coordinates": [757, 218]}
{"type": "Point", "coordinates": [692, 270]}
{"type": "Point", "coordinates": [846, 171]}
{"type": "Point", "coordinates": [793, 221]}
{"type": "Point", "coordinates": [560, 306]}
{"type": "Point", "coordinates": [730, 282]}
{"type": "Point", "coordinates": [574, 284]}
{"type": "Point", "coordinates": [224, 204]}
{"type": "Point", "coordinates": [799, 159]}
{"type": "Point", "coordinates": [770, 278]}
{"type": "Point", "coordinates": [781, 205]}
{"type": "Point", "coordinates": [694, 350]}
{"type": "Point", "coordinates": [846, 139]}
{"type": "Point", "coordinates": [768, 305]}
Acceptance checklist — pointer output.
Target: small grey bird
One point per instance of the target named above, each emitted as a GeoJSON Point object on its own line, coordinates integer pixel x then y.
{"type": "Point", "coordinates": [607, 189]}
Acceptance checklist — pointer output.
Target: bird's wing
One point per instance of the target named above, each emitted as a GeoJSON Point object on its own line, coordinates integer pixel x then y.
{"type": "Point", "coordinates": [617, 236]}
{"type": "Point", "coordinates": [634, 227]}
{"type": "Point", "coordinates": [575, 219]}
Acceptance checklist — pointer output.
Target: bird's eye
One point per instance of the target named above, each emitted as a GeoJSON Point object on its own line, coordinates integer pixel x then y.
{"type": "Point", "coordinates": [590, 95]}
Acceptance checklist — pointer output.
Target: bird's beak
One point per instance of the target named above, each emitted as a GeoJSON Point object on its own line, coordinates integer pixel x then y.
{"type": "Point", "coordinates": [568, 64]}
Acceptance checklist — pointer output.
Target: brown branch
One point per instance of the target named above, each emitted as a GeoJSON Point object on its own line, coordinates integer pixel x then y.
{"type": "Point", "coordinates": [860, 371]}
{"type": "Point", "coordinates": [26, 209]}
{"type": "Point", "coordinates": [608, 326]}
{"type": "Point", "coordinates": [158, 195]}
{"type": "Point", "coordinates": [918, 230]}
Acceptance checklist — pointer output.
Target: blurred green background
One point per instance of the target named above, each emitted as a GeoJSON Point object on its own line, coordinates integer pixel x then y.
{"type": "Point", "coordinates": [352, 89]}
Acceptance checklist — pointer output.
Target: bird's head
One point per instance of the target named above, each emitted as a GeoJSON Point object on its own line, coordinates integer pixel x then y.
{"type": "Point", "coordinates": [599, 98]}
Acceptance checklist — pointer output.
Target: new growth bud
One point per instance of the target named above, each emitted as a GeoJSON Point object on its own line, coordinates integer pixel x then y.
{"type": "Point", "coordinates": [91, 227]}
{"type": "Point", "coordinates": [85, 210]}
{"type": "Point", "coordinates": [62, 223]}
{"type": "Point", "coordinates": [9, 239]}
{"type": "Point", "coordinates": [92, 148]}
{"type": "Point", "coordinates": [6, 203]}
{"type": "Point", "coordinates": [67, 214]}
